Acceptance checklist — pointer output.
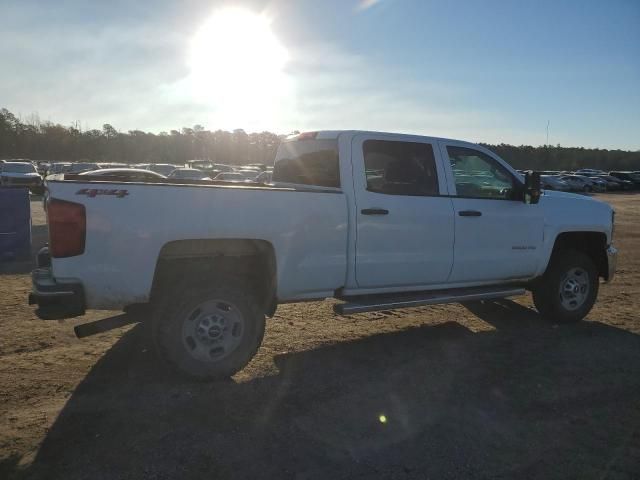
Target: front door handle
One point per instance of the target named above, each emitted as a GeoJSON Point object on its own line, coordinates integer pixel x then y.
{"type": "Point", "coordinates": [470, 213]}
{"type": "Point", "coordinates": [374, 211]}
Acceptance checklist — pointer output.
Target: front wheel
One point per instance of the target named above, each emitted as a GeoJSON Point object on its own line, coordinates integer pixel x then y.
{"type": "Point", "coordinates": [208, 333]}
{"type": "Point", "coordinates": [568, 289]}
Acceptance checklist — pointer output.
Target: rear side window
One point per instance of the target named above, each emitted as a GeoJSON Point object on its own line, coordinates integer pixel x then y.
{"type": "Point", "coordinates": [400, 168]}
{"type": "Point", "coordinates": [308, 162]}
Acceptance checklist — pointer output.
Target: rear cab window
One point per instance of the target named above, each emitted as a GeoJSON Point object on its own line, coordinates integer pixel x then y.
{"type": "Point", "coordinates": [400, 168]}
{"type": "Point", "coordinates": [308, 161]}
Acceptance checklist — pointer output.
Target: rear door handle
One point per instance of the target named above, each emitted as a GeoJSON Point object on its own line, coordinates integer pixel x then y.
{"type": "Point", "coordinates": [470, 213]}
{"type": "Point", "coordinates": [374, 211]}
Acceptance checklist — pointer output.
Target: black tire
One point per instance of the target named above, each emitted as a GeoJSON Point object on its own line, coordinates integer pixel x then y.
{"type": "Point", "coordinates": [552, 294]}
{"type": "Point", "coordinates": [177, 314]}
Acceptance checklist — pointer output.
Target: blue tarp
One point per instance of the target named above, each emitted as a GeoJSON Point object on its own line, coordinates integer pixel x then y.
{"type": "Point", "coordinates": [15, 223]}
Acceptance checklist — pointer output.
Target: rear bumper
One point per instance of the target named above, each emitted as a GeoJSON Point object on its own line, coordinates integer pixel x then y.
{"type": "Point", "coordinates": [55, 300]}
{"type": "Point", "coordinates": [612, 261]}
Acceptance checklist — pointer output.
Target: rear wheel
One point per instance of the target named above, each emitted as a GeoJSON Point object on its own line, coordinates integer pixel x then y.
{"type": "Point", "coordinates": [568, 289]}
{"type": "Point", "coordinates": [208, 333]}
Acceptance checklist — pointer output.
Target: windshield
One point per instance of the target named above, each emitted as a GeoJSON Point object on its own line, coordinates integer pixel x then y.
{"type": "Point", "coordinates": [18, 168]}
{"type": "Point", "coordinates": [206, 164]}
{"type": "Point", "coordinates": [162, 169]}
{"type": "Point", "coordinates": [188, 174]}
{"type": "Point", "coordinates": [59, 167]}
{"type": "Point", "coordinates": [230, 176]}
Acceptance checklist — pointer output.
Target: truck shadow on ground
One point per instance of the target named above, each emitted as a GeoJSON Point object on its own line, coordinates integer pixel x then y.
{"type": "Point", "coordinates": [525, 399]}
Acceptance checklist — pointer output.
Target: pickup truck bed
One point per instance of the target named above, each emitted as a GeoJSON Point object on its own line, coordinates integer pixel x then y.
{"type": "Point", "coordinates": [130, 226]}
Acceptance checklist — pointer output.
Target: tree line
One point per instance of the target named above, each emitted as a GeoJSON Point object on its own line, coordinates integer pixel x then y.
{"type": "Point", "coordinates": [45, 140]}
{"type": "Point", "coordinates": [548, 157]}
{"type": "Point", "coordinates": [38, 140]}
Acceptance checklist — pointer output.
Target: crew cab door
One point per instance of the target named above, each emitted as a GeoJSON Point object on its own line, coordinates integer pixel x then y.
{"type": "Point", "coordinates": [404, 227]}
{"type": "Point", "coordinates": [497, 236]}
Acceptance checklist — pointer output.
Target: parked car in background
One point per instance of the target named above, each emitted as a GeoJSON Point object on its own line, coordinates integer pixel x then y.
{"type": "Point", "coordinates": [58, 167]}
{"type": "Point", "coordinates": [42, 168]}
{"type": "Point", "coordinates": [264, 177]}
{"type": "Point", "coordinates": [552, 182]}
{"type": "Point", "coordinates": [577, 183]}
{"type": "Point", "coordinates": [614, 183]}
{"type": "Point", "coordinates": [113, 165]}
{"type": "Point", "coordinates": [188, 174]}
{"type": "Point", "coordinates": [127, 174]}
{"type": "Point", "coordinates": [221, 167]}
{"type": "Point", "coordinates": [199, 164]}
{"type": "Point", "coordinates": [162, 168]}
{"type": "Point", "coordinates": [233, 177]}
{"type": "Point", "coordinates": [249, 174]}
{"type": "Point", "coordinates": [80, 167]}
{"type": "Point", "coordinates": [633, 177]}
{"type": "Point", "coordinates": [18, 160]}
{"type": "Point", "coordinates": [589, 172]}
{"type": "Point", "coordinates": [597, 185]}
{"type": "Point", "coordinates": [20, 174]}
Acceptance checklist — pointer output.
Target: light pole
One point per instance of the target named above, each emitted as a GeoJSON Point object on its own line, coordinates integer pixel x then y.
{"type": "Point", "coordinates": [548, 122]}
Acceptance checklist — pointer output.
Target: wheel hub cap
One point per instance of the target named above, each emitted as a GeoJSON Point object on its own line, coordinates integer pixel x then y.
{"type": "Point", "coordinates": [574, 289]}
{"type": "Point", "coordinates": [215, 332]}
{"type": "Point", "coordinates": [212, 330]}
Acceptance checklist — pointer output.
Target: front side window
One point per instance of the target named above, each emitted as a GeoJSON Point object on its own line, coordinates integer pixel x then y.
{"type": "Point", "coordinates": [477, 175]}
{"type": "Point", "coordinates": [308, 162]}
{"type": "Point", "coordinates": [400, 168]}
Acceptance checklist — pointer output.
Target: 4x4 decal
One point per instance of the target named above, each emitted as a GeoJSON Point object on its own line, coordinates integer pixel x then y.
{"type": "Point", "coordinates": [93, 192]}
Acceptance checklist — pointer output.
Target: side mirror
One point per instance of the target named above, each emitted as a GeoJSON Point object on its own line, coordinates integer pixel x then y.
{"type": "Point", "coordinates": [532, 188]}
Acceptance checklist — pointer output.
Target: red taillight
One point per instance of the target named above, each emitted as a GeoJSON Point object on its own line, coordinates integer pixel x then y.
{"type": "Point", "coordinates": [67, 228]}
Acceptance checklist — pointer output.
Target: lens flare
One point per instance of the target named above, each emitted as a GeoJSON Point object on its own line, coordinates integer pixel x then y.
{"type": "Point", "coordinates": [236, 65]}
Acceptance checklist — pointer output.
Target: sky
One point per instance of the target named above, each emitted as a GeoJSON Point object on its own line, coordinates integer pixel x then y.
{"type": "Point", "coordinates": [494, 71]}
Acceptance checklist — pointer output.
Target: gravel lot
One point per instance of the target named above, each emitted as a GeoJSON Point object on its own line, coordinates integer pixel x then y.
{"type": "Point", "coordinates": [487, 390]}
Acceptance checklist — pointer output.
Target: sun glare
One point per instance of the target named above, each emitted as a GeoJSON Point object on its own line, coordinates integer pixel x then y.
{"type": "Point", "coordinates": [236, 64]}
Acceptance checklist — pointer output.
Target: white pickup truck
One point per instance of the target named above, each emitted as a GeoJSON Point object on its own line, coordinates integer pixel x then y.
{"type": "Point", "coordinates": [376, 220]}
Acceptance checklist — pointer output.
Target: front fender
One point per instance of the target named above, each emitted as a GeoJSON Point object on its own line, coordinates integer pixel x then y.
{"type": "Point", "coordinates": [566, 213]}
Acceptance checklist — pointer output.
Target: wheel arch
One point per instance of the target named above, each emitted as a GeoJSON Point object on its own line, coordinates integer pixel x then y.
{"type": "Point", "coordinates": [252, 261]}
{"type": "Point", "coordinates": [591, 243]}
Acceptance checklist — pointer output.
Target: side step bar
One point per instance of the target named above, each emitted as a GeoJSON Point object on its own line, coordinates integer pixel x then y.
{"type": "Point", "coordinates": [389, 302]}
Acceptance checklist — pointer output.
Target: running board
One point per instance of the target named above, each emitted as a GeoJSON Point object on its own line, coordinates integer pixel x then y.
{"type": "Point", "coordinates": [389, 302]}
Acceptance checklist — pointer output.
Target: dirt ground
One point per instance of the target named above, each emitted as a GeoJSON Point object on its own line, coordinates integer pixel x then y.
{"type": "Point", "coordinates": [487, 390]}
